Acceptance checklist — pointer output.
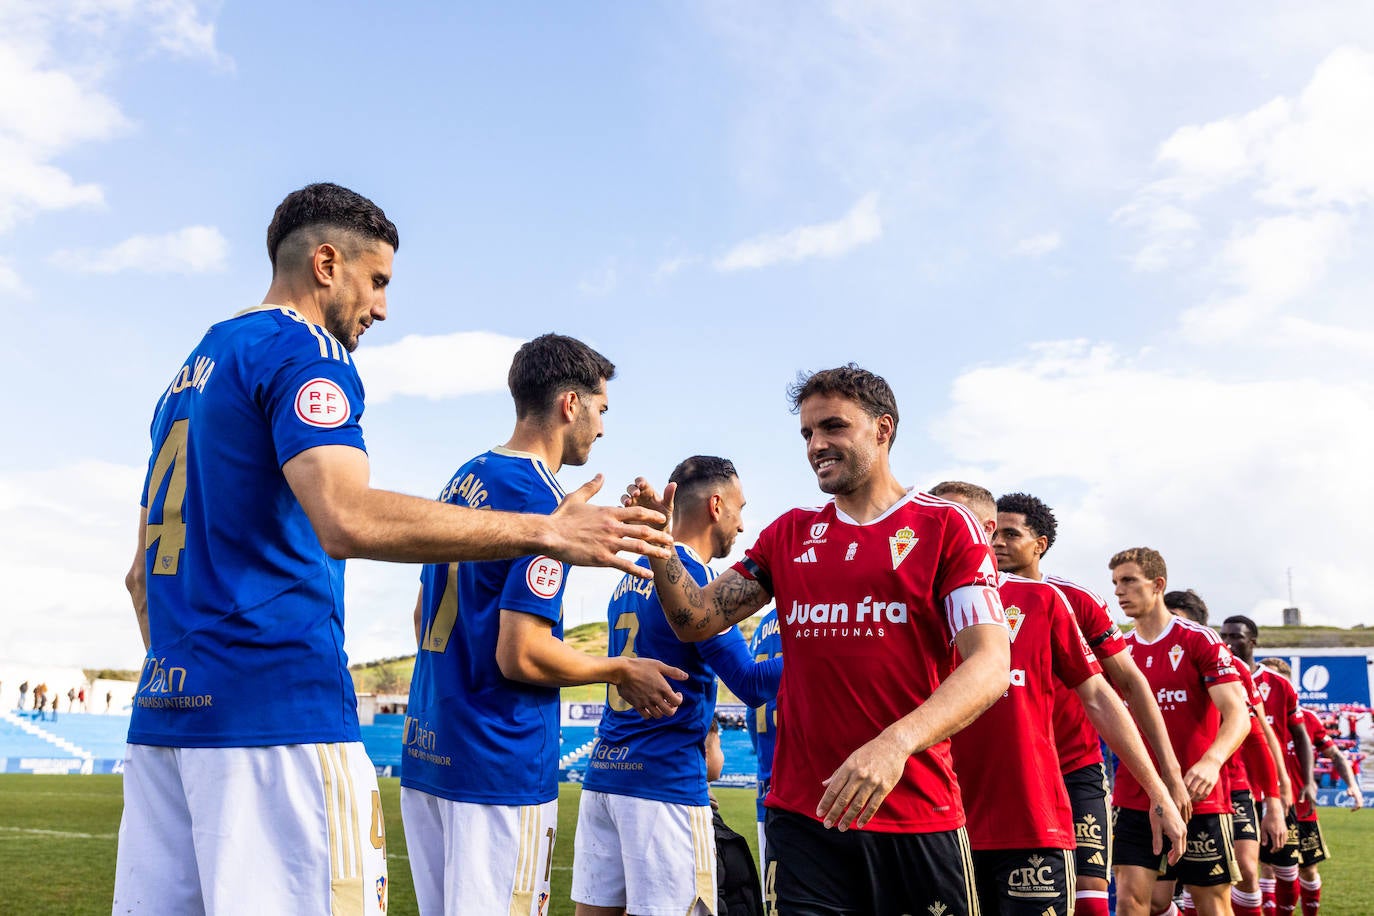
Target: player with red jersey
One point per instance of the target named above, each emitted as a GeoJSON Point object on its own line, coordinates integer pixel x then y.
{"type": "Point", "coordinates": [1253, 774]}
{"type": "Point", "coordinates": [1311, 846]}
{"type": "Point", "coordinates": [871, 591]}
{"type": "Point", "coordinates": [1026, 530]}
{"type": "Point", "coordinates": [1279, 866]}
{"type": "Point", "coordinates": [1204, 710]}
{"type": "Point", "coordinates": [1022, 853]}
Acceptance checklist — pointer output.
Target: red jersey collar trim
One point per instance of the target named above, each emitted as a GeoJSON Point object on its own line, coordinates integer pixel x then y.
{"type": "Point", "coordinates": [841, 516]}
{"type": "Point", "coordinates": [1168, 628]}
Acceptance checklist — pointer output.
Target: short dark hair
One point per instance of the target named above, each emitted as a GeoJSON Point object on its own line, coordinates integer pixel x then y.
{"type": "Point", "coordinates": [1188, 603]}
{"type": "Point", "coordinates": [551, 364]}
{"type": "Point", "coordinates": [869, 391]}
{"type": "Point", "coordinates": [1245, 622]}
{"type": "Point", "coordinates": [696, 473]}
{"type": "Point", "coordinates": [1039, 517]}
{"type": "Point", "coordinates": [970, 491]}
{"type": "Point", "coordinates": [325, 204]}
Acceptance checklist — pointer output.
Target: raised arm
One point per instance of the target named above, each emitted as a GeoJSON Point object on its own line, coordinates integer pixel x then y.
{"type": "Point", "coordinates": [1342, 765]}
{"type": "Point", "coordinates": [136, 581]}
{"type": "Point", "coordinates": [856, 791]}
{"type": "Point", "coordinates": [1121, 670]}
{"type": "Point", "coordinates": [694, 612]}
{"type": "Point", "coordinates": [352, 519]}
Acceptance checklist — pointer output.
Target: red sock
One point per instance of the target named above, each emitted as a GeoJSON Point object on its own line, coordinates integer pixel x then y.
{"type": "Point", "coordinates": [1243, 904]}
{"type": "Point", "coordinates": [1091, 903]}
{"type": "Point", "coordinates": [1286, 891]}
{"type": "Point", "coordinates": [1267, 889]}
{"type": "Point", "coordinates": [1311, 897]}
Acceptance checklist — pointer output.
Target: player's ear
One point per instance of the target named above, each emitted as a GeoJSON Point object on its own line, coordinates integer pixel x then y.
{"type": "Point", "coordinates": [886, 427]}
{"type": "Point", "coordinates": [714, 506]}
{"type": "Point", "coordinates": [568, 403]}
{"type": "Point", "coordinates": [325, 263]}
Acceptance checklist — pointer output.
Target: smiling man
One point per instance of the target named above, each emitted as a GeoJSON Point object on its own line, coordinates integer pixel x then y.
{"type": "Point", "coordinates": [874, 590]}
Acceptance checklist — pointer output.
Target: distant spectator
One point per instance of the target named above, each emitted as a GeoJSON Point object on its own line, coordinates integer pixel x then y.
{"type": "Point", "coordinates": [108, 696]}
{"type": "Point", "coordinates": [23, 693]}
{"type": "Point", "coordinates": [81, 698]}
{"type": "Point", "coordinates": [54, 707]}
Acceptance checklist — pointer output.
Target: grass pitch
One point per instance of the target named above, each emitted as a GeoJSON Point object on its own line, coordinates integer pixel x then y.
{"type": "Point", "coordinates": [57, 847]}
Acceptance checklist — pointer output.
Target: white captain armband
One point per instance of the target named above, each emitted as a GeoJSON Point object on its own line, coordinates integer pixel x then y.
{"type": "Point", "coordinates": [970, 605]}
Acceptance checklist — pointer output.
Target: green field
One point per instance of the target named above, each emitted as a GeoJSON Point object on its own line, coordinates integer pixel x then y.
{"type": "Point", "coordinates": [57, 847]}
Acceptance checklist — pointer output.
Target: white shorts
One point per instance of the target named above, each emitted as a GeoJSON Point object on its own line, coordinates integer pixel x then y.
{"type": "Point", "coordinates": [287, 829]}
{"type": "Point", "coordinates": [471, 858]}
{"type": "Point", "coordinates": [653, 858]}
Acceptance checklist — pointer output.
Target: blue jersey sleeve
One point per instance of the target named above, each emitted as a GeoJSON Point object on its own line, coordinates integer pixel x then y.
{"type": "Point", "coordinates": [729, 656]}
{"type": "Point", "coordinates": [310, 395]}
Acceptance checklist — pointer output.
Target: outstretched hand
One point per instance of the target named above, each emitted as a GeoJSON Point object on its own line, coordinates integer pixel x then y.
{"type": "Point", "coordinates": [587, 535]}
{"type": "Point", "coordinates": [641, 494]}
{"type": "Point", "coordinates": [855, 792]}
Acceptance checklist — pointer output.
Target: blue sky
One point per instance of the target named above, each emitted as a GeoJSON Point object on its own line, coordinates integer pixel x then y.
{"type": "Point", "coordinates": [1108, 256]}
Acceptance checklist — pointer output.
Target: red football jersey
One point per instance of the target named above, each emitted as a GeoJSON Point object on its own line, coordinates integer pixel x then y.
{"type": "Point", "coordinates": [867, 615]}
{"type": "Point", "coordinates": [1074, 735]}
{"type": "Point", "coordinates": [1281, 711]}
{"type": "Point", "coordinates": [1180, 665]}
{"type": "Point", "coordinates": [1008, 751]}
{"type": "Point", "coordinates": [1236, 775]}
{"type": "Point", "coordinates": [1321, 740]}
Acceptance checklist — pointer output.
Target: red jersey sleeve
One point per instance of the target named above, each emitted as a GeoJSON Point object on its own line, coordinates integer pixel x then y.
{"type": "Point", "coordinates": [1321, 738]}
{"type": "Point", "coordinates": [966, 578]}
{"type": "Point", "coordinates": [1259, 763]}
{"type": "Point", "coordinates": [1072, 659]}
{"type": "Point", "coordinates": [1099, 630]}
{"type": "Point", "coordinates": [1217, 665]}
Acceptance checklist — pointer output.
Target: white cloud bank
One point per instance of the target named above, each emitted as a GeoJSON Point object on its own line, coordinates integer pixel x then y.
{"type": "Point", "coordinates": [437, 367]}
{"type": "Point", "coordinates": [860, 226]}
{"type": "Point", "coordinates": [195, 249]}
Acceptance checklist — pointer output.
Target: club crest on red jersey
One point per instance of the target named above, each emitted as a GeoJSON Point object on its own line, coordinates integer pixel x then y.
{"type": "Point", "coordinates": [1175, 655]}
{"type": "Point", "coordinates": [902, 542]}
{"type": "Point", "coordinates": [1014, 620]}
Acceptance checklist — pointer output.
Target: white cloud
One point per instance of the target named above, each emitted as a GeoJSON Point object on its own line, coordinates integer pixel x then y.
{"type": "Point", "coordinates": [1231, 480]}
{"type": "Point", "coordinates": [60, 53]}
{"type": "Point", "coordinates": [10, 281]}
{"type": "Point", "coordinates": [66, 540]}
{"type": "Point", "coordinates": [859, 226]}
{"type": "Point", "coordinates": [1038, 246]}
{"type": "Point", "coordinates": [195, 249]}
{"type": "Point", "coordinates": [671, 266]}
{"type": "Point", "coordinates": [436, 367]}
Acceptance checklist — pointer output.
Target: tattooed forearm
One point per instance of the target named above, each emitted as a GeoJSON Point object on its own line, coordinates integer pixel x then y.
{"type": "Point", "coordinates": [737, 597]}
{"type": "Point", "coordinates": [696, 613]}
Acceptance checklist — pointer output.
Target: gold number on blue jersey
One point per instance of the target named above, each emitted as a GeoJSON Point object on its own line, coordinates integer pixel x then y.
{"type": "Point", "coordinates": [445, 615]}
{"type": "Point", "coordinates": [170, 533]}
{"type": "Point", "coordinates": [626, 621]}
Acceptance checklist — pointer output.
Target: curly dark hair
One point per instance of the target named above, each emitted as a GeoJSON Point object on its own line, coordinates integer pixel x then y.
{"type": "Point", "coordinates": [1039, 517]}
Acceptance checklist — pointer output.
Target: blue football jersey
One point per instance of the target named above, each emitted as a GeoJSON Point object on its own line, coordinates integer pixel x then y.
{"type": "Point", "coordinates": [245, 609]}
{"type": "Point", "coordinates": [471, 735]}
{"type": "Point", "coordinates": [665, 759]}
{"type": "Point", "coordinates": [762, 723]}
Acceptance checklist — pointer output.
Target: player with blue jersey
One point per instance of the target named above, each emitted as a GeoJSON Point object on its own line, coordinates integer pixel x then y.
{"type": "Point", "coordinates": [762, 722]}
{"type": "Point", "coordinates": [479, 768]}
{"type": "Point", "coordinates": [644, 841]}
{"type": "Point", "coordinates": [246, 787]}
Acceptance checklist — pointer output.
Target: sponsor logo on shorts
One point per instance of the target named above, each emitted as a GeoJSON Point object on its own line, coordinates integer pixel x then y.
{"type": "Point", "coordinates": [1088, 832]}
{"type": "Point", "coordinates": [320, 402]}
{"type": "Point", "coordinates": [1202, 845]}
{"type": "Point", "coordinates": [1035, 879]}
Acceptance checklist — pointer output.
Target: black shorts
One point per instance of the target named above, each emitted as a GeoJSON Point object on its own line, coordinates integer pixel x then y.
{"type": "Point", "coordinates": [1209, 860]}
{"type": "Point", "coordinates": [1288, 855]}
{"type": "Point", "coordinates": [810, 871]}
{"type": "Point", "coordinates": [1092, 821]}
{"type": "Point", "coordinates": [1023, 882]}
{"type": "Point", "coordinates": [1244, 817]}
{"type": "Point", "coordinates": [1311, 844]}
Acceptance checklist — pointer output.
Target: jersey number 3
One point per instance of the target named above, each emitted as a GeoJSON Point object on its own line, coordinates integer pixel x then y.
{"type": "Point", "coordinates": [170, 533]}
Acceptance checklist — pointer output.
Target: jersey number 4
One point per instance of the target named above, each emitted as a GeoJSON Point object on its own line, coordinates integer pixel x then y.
{"type": "Point", "coordinates": [170, 533]}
